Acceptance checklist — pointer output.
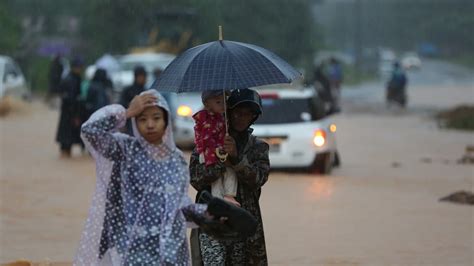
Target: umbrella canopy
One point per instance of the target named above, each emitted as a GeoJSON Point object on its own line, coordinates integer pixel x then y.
{"type": "Point", "coordinates": [224, 65]}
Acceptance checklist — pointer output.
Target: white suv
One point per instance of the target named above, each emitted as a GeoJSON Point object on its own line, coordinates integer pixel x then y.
{"type": "Point", "coordinates": [183, 106]}
{"type": "Point", "coordinates": [294, 124]}
{"type": "Point", "coordinates": [12, 81]}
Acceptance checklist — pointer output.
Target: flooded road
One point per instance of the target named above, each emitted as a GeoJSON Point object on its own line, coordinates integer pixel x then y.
{"type": "Point", "coordinates": [379, 208]}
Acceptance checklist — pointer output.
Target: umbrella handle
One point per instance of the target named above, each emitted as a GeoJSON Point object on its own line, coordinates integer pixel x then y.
{"type": "Point", "coordinates": [222, 156]}
{"type": "Point", "coordinates": [225, 113]}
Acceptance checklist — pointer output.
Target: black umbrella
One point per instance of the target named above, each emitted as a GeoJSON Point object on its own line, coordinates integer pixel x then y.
{"type": "Point", "coordinates": [224, 65]}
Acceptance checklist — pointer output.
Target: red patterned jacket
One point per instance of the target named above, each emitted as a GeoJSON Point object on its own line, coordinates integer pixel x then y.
{"type": "Point", "coordinates": [209, 133]}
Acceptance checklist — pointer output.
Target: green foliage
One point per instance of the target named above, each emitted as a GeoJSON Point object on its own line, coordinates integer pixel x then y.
{"type": "Point", "coordinates": [402, 24]}
{"type": "Point", "coordinates": [461, 117]}
{"type": "Point", "coordinates": [448, 24]}
{"type": "Point", "coordinates": [465, 60]}
{"type": "Point", "coordinates": [354, 77]}
{"type": "Point", "coordinates": [9, 30]}
{"type": "Point", "coordinates": [111, 26]}
{"type": "Point", "coordinates": [37, 74]}
{"type": "Point", "coordinates": [285, 27]}
{"type": "Point", "coordinates": [115, 26]}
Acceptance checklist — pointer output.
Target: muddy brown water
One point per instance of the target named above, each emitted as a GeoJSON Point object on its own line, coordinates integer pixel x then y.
{"type": "Point", "coordinates": [365, 213]}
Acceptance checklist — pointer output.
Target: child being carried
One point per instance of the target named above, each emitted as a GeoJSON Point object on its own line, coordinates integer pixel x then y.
{"type": "Point", "coordinates": [210, 130]}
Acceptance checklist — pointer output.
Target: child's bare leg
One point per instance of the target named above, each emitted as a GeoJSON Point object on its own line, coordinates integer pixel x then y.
{"type": "Point", "coordinates": [217, 188]}
{"type": "Point", "coordinates": [230, 186]}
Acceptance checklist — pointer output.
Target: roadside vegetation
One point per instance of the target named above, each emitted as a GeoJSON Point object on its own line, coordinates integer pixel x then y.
{"type": "Point", "coordinates": [460, 117]}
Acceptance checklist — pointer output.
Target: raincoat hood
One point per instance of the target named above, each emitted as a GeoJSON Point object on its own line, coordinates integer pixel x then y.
{"type": "Point", "coordinates": [168, 145]}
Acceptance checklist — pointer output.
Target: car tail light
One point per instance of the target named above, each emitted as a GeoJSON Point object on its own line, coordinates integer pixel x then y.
{"type": "Point", "coordinates": [269, 96]}
{"type": "Point", "coordinates": [184, 110]}
{"type": "Point", "coordinates": [319, 138]}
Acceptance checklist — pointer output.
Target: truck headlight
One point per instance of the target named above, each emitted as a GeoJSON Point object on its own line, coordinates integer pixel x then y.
{"type": "Point", "coordinates": [319, 138]}
{"type": "Point", "coordinates": [184, 110]}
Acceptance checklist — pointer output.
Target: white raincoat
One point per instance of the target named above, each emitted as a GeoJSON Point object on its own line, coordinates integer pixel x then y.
{"type": "Point", "coordinates": [136, 216]}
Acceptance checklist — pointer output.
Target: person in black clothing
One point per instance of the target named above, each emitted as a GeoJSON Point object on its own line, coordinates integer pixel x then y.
{"type": "Point", "coordinates": [323, 86]}
{"type": "Point", "coordinates": [133, 90]}
{"type": "Point", "coordinates": [55, 73]}
{"type": "Point", "coordinates": [136, 88]}
{"type": "Point", "coordinates": [335, 75]}
{"type": "Point", "coordinates": [248, 157]}
{"type": "Point", "coordinates": [156, 73]}
{"type": "Point", "coordinates": [72, 109]}
{"type": "Point", "coordinates": [98, 92]}
{"type": "Point", "coordinates": [396, 87]}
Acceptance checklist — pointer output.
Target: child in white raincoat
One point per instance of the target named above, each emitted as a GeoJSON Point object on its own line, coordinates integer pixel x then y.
{"type": "Point", "coordinates": [137, 213]}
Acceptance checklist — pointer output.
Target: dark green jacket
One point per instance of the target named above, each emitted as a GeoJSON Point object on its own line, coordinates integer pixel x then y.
{"type": "Point", "coordinates": [251, 168]}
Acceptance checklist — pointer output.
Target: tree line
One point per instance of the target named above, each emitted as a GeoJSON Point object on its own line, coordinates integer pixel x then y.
{"type": "Point", "coordinates": [105, 26]}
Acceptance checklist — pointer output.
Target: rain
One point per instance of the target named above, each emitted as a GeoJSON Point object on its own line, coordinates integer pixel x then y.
{"type": "Point", "coordinates": [366, 110]}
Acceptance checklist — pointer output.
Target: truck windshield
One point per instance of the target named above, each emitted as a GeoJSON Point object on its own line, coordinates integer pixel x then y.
{"type": "Point", "coordinates": [283, 111]}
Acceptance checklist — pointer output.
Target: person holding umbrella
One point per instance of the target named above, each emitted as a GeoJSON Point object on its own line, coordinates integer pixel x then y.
{"type": "Point", "coordinates": [248, 158]}
{"type": "Point", "coordinates": [223, 65]}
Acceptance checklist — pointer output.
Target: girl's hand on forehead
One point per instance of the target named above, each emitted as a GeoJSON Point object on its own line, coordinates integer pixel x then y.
{"type": "Point", "coordinates": [139, 103]}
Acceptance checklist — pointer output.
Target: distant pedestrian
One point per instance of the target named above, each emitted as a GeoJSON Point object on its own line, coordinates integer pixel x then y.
{"type": "Point", "coordinates": [128, 93]}
{"type": "Point", "coordinates": [98, 92]}
{"type": "Point", "coordinates": [156, 74]}
{"type": "Point", "coordinates": [335, 75]}
{"type": "Point", "coordinates": [72, 109]}
{"type": "Point", "coordinates": [396, 86]}
{"type": "Point", "coordinates": [54, 78]}
{"type": "Point", "coordinates": [323, 87]}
